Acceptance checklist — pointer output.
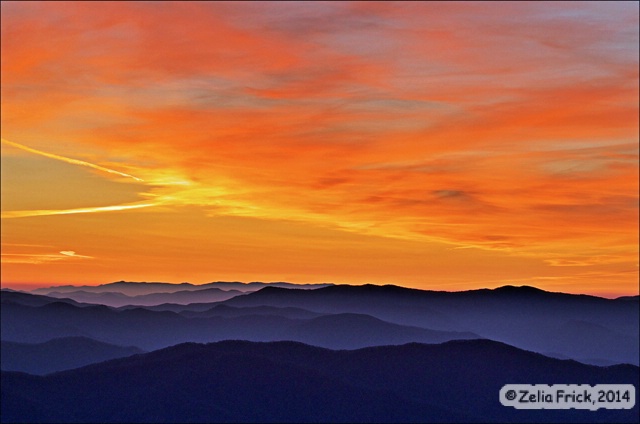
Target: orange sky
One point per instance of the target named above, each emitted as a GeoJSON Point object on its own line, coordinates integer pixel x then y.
{"type": "Point", "coordinates": [443, 146]}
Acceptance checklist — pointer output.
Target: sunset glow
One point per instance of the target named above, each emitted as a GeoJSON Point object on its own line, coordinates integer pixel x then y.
{"type": "Point", "coordinates": [444, 146]}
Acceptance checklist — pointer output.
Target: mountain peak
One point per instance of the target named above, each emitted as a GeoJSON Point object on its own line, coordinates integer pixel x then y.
{"type": "Point", "coordinates": [519, 289]}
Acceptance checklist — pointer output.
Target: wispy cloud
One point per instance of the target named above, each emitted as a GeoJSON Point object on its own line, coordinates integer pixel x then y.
{"type": "Point", "coordinates": [39, 258]}
{"type": "Point", "coordinates": [69, 160]}
{"type": "Point", "coordinates": [45, 212]}
{"type": "Point", "coordinates": [73, 254]}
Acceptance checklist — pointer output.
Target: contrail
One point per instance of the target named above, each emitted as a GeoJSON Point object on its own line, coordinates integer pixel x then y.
{"type": "Point", "coordinates": [69, 160]}
{"type": "Point", "coordinates": [44, 212]}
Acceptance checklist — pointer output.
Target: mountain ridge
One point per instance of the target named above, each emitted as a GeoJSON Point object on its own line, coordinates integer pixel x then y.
{"type": "Point", "coordinates": [243, 381]}
{"type": "Point", "coordinates": [134, 288]}
{"type": "Point", "coordinates": [59, 354]}
{"type": "Point", "coordinates": [525, 317]}
{"type": "Point", "coordinates": [151, 330]}
{"type": "Point", "coordinates": [568, 325]}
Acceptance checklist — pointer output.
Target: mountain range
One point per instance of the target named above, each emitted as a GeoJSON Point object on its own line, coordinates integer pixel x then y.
{"type": "Point", "coordinates": [132, 288]}
{"type": "Point", "coordinates": [271, 352]}
{"type": "Point", "coordinates": [150, 330]}
{"type": "Point", "coordinates": [586, 328]}
{"type": "Point", "coordinates": [117, 299]}
{"type": "Point", "coordinates": [239, 381]}
{"type": "Point", "coordinates": [59, 354]}
{"type": "Point", "coordinates": [578, 326]}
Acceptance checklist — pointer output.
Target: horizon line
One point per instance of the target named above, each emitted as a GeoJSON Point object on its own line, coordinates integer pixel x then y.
{"type": "Point", "coordinates": [36, 286]}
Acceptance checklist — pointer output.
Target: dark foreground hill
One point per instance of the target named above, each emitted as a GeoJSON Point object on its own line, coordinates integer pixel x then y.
{"type": "Point", "coordinates": [59, 354]}
{"type": "Point", "coordinates": [236, 381]}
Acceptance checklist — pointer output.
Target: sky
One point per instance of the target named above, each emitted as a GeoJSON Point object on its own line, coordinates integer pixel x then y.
{"type": "Point", "coordinates": [442, 146]}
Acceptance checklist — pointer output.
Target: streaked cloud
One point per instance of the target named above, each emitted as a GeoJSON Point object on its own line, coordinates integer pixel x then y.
{"type": "Point", "coordinates": [68, 160]}
{"type": "Point", "coordinates": [73, 254]}
{"type": "Point", "coordinates": [45, 212]}
{"type": "Point", "coordinates": [39, 258]}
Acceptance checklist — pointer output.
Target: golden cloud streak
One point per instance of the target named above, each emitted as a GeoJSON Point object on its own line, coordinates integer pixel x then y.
{"type": "Point", "coordinates": [72, 254]}
{"type": "Point", "coordinates": [68, 160]}
{"type": "Point", "coordinates": [45, 212]}
{"type": "Point", "coordinates": [38, 258]}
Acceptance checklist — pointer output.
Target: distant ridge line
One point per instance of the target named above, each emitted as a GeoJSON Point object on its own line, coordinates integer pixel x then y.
{"type": "Point", "coordinates": [255, 286]}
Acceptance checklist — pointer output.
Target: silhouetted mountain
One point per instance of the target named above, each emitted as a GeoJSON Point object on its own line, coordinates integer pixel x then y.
{"type": "Point", "coordinates": [105, 298]}
{"type": "Point", "coordinates": [526, 317]}
{"type": "Point", "coordinates": [238, 381]}
{"type": "Point", "coordinates": [610, 343]}
{"type": "Point", "coordinates": [588, 361]}
{"type": "Point", "coordinates": [352, 331]}
{"type": "Point", "coordinates": [629, 298]}
{"type": "Point", "coordinates": [221, 310]}
{"type": "Point", "coordinates": [521, 316]}
{"type": "Point", "coordinates": [116, 299]}
{"type": "Point", "coordinates": [141, 288]}
{"type": "Point", "coordinates": [173, 307]}
{"type": "Point", "coordinates": [59, 354]}
{"type": "Point", "coordinates": [29, 299]}
{"type": "Point", "coordinates": [153, 329]}
{"type": "Point", "coordinates": [128, 288]}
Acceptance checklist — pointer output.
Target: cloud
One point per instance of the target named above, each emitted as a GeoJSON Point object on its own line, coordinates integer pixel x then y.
{"type": "Point", "coordinates": [68, 160]}
{"type": "Point", "coordinates": [39, 258]}
{"type": "Point", "coordinates": [73, 254]}
{"type": "Point", "coordinates": [582, 261]}
{"type": "Point", "coordinates": [509, 129]}
{"type": "Point", "coordinates": [447, 194]}
{"type": "Point", "coordinates": [46, 212]}
{"type": "Point", "coordinates": [33, 259]}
